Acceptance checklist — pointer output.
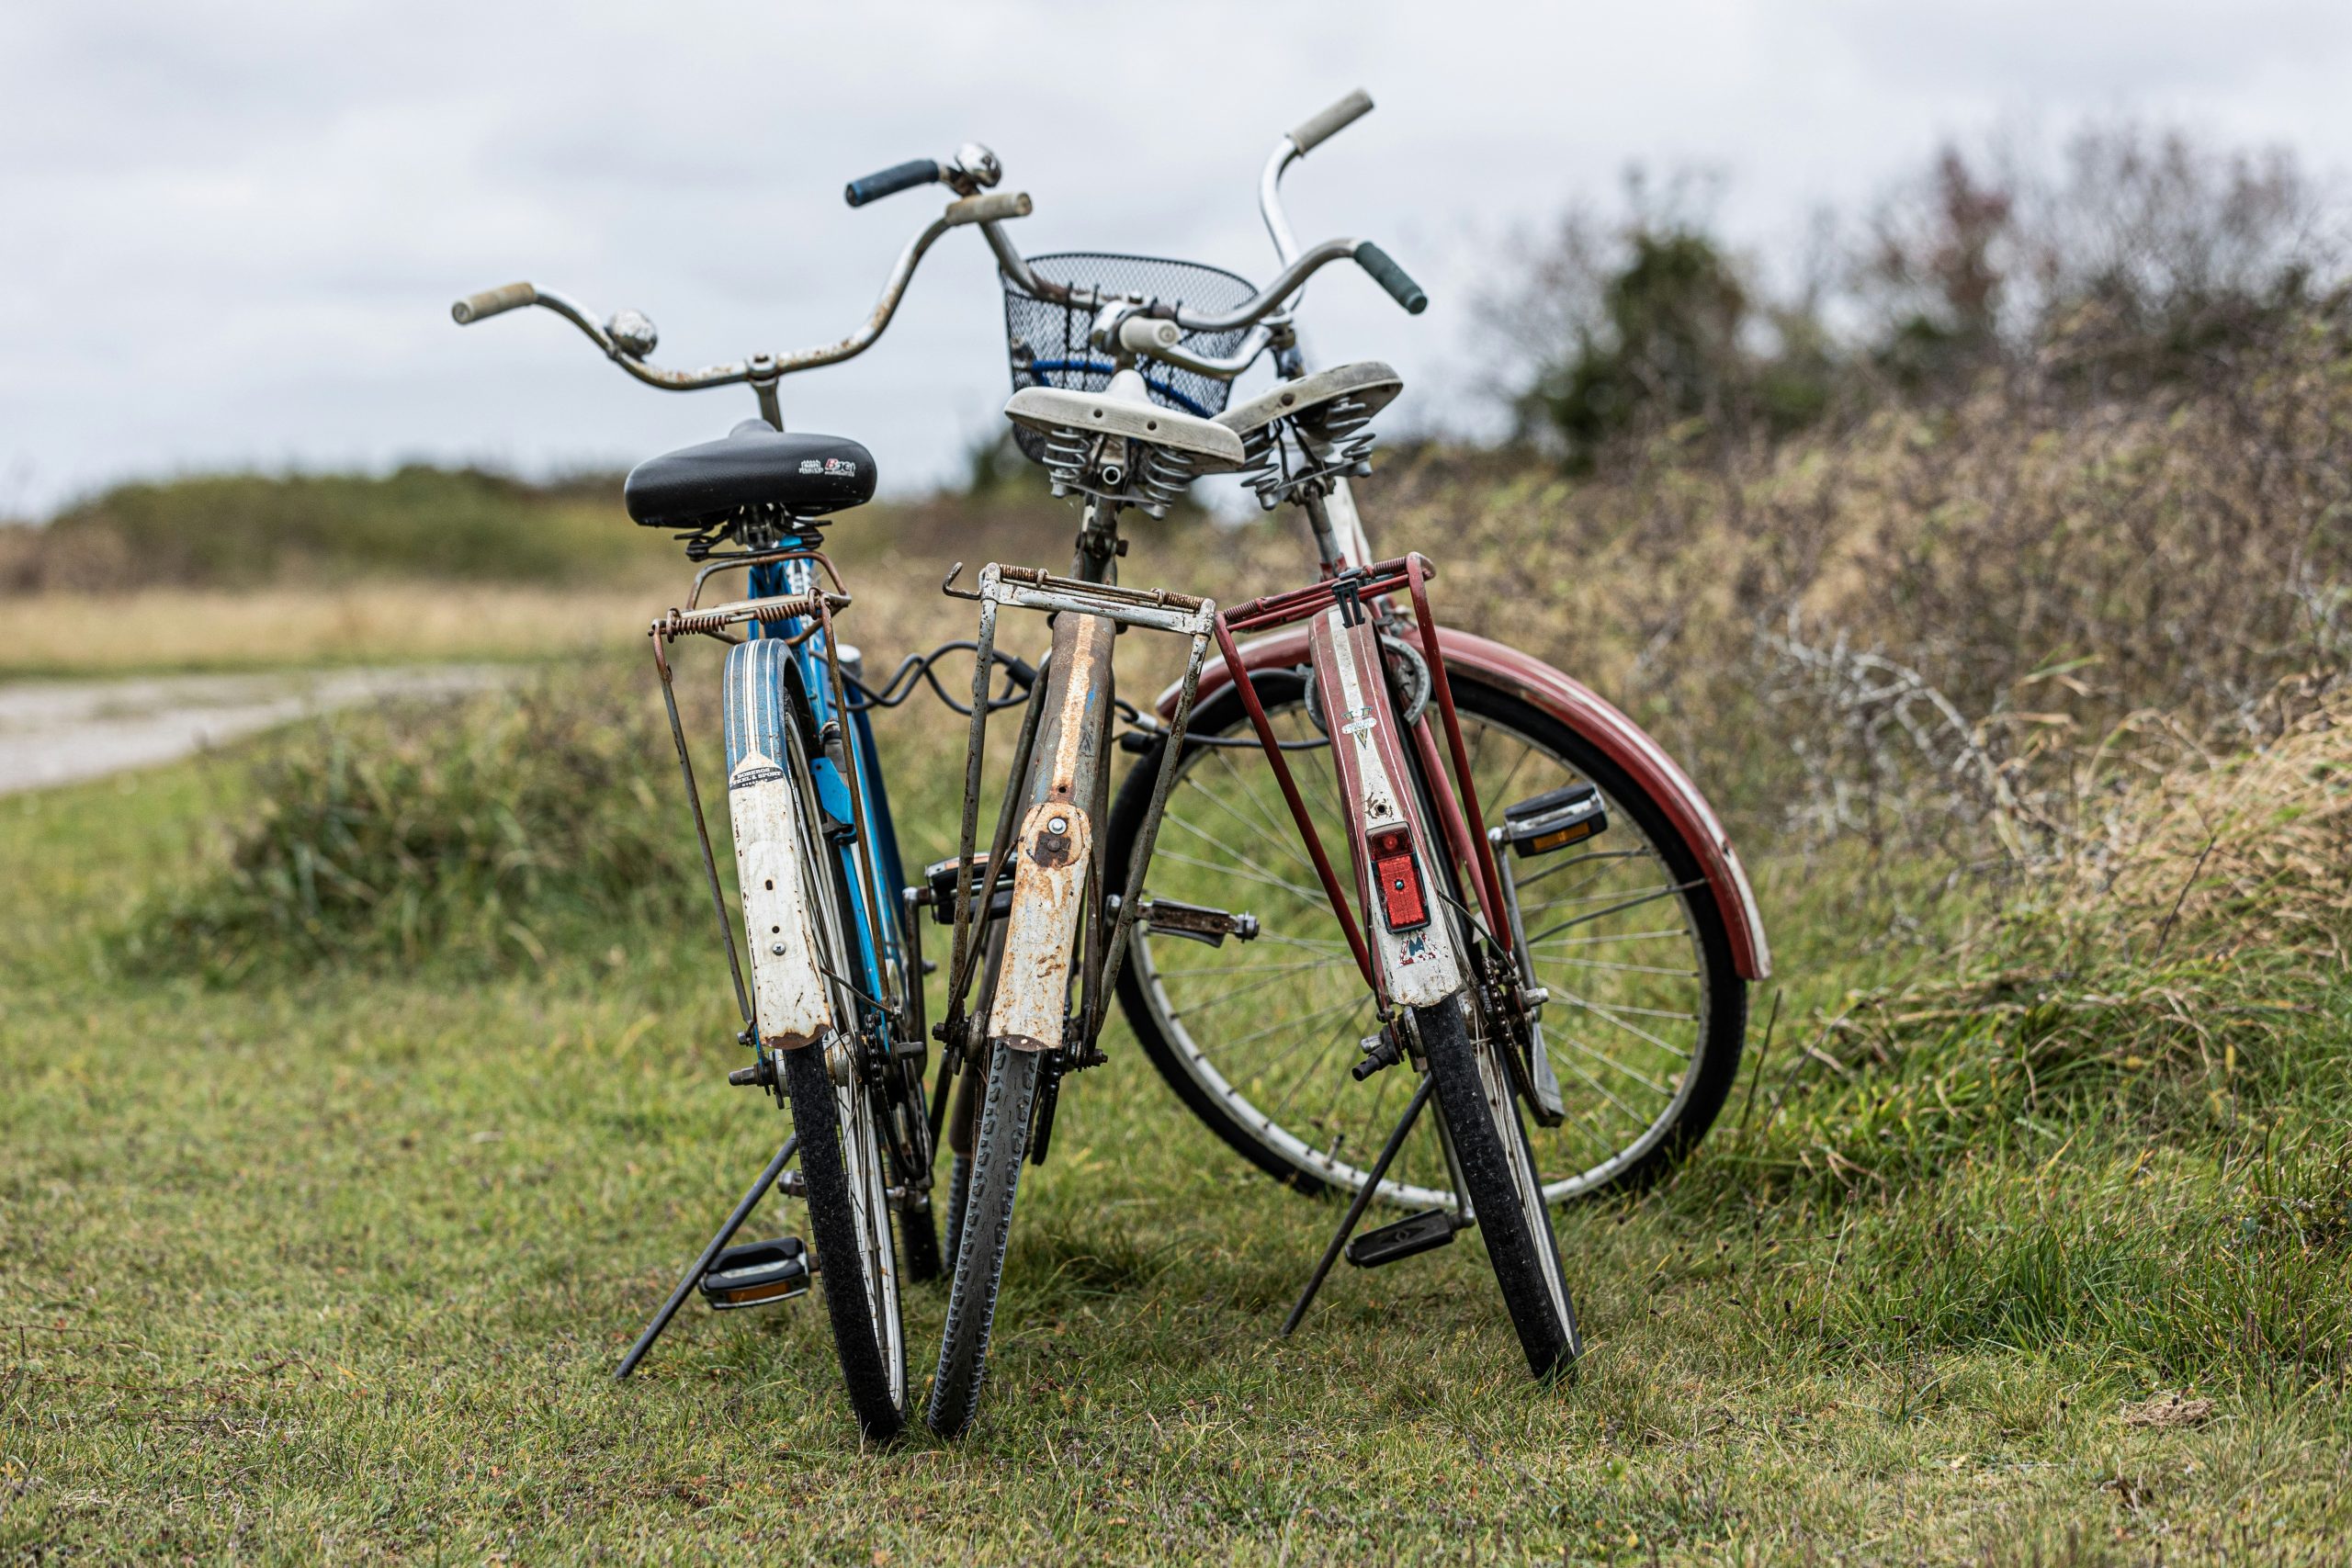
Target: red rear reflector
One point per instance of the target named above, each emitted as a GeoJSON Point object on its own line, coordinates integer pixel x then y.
{"type": "Point", "coordinates": [1399, 875]}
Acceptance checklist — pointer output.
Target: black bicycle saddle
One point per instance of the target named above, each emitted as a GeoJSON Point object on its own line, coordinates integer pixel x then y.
{"type": "Point", "coordinates": [753, 467]}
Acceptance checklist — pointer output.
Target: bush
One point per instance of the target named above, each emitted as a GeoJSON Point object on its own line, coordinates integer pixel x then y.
{"type": "Point", "coordinates": [238, 530]}
{"type": "Point", "coordinates": [492, 829]}
{"type": "Point", "coordinates": [2128, 258]}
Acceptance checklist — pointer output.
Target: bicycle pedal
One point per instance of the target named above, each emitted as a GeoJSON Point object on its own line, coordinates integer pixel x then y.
{"type": "Point", "coordinates": [940, 877]}
{"type": "Point", "coordinates": [1402, 1238]}
{"type": "Point", "coordinates": [756, 1273]}
{"type": "Point", "coordinates": [1554, 820]}
{"type": "Point", "coordinates": [1193, 922]}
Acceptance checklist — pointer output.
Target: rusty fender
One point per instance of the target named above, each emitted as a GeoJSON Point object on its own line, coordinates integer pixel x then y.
{"type": "Point", "coordinates": [1056, 841]}
{"type": "Point", "coordinates": [1040, 934]}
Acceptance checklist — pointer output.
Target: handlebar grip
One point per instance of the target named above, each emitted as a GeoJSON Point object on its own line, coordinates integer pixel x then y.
{"type": "Point", "coordinates": [493, 301]}
{"type": "Point", "coordinates": [1331, 121]}
{"type": "Point", "coordinates": [1394, 278]}
{"type": "Point", "coordinates": [891, 181]}
{"type": "Point", "coordinates": [994, 207]}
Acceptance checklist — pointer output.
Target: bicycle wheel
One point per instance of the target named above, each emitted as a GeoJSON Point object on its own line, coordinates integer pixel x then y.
{"type": "Point", "coordinates": [1646, 1017]}
{"type": "Point", "coordinates": [1481, 1112]}
{"type": "Point", "coordinates": [849, 1212]}
{"type": "Point", "coordinates": [986, 1228]}
{"type": "Point", "coordinates": [836, 1110]}
{"type": "Point", "coordinates": [1044, 938]}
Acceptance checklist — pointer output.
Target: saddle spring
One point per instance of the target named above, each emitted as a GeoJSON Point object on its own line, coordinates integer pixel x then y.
{"type": "Point", "coordinates": [1156, 481]}
{"type": "Point", "coordinates": [1341, 428]}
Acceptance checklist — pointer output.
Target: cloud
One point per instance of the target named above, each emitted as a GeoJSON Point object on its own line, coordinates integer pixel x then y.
{"type": "Point", "coordinates": [235, 229]}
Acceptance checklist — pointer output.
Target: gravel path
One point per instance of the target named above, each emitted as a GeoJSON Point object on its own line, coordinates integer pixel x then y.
{"type": "Point", "coordinates": [53, 733]}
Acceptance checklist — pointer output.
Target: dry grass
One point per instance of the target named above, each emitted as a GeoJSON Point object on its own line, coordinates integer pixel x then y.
{"type": "Point", "coordinates": [2246, 854]}
{"type": "Point", "coordinates": [375, 622]}
{"type": "Point", "coordinates": [1903, 629]}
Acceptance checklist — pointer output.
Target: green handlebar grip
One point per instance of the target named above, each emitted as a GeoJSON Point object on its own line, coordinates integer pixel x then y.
{"type": "Point", "coordinates": [897, 177]}
{"type": "Point", "coordinates": [1394, 278]}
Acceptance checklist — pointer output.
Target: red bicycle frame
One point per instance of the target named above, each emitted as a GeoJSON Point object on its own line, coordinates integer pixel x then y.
{"type": "Point", "coordinates": [1401, 947]}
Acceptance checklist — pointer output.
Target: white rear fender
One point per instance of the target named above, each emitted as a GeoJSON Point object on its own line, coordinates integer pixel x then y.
{"type": "Point", "coordinates": [787, 987]}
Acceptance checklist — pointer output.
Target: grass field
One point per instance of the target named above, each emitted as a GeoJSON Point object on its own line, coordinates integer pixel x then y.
{"type": "Point", "coordinates": [334, 1264]}
{"type": "Point", "coordinates": [161, 630]}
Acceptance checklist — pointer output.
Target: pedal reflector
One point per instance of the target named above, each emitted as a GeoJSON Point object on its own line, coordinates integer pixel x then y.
{"type": "Point", "coordinates": [1554, 820]}
{"type": "Point", "coordinates": [755, 1273]}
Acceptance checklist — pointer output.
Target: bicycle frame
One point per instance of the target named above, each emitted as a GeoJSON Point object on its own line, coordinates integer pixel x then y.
{"type": "Point", "coordinates": [787, 602]}
{"type": "Point", "coordinates": [1410, 958]}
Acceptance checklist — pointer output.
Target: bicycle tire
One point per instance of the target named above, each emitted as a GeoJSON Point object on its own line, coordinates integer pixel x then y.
{"type": "Point", "coordinates": [1190, 1065]}
{"type": "Point", "coordinates": [868, 1369]}
{"type": "Point", "coordinates": [846, 1189]}
{"type": "Point", "coordinates": [998, 1151]}
{"type": "Point", "coordinates": [959, 1184]}
{"type": "Point", "coordinates": [1481, 1115]}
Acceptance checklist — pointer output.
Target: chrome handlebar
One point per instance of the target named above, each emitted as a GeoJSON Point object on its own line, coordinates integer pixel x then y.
{"type": "Point", "coordinates": [627, 338]}
{"type": "Point", "coordinates": [1311, 134]}
{"type": "Point", "coordinates": [1260, 310]}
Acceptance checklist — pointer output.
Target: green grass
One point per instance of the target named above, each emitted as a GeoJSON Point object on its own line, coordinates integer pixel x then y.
{"type": "Point", "coordinates": [417, 522]}
{"type": "Point", "coordinates": [334, 1263]}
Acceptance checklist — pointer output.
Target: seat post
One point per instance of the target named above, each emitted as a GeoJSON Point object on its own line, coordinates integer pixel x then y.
{"type": "Point", "coordinates": [1099, 545]}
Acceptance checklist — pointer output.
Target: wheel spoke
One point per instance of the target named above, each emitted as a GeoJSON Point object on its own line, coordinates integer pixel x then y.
{"type": "Point", "coordinates": [1602, 1090]}
{"type": "Point", "coordinates": [1593, 1006]}
{"type": "Point", "coordinates": [1634, 903]}
{"type": "Point", "coordinates": [1583, 860]}
{"type": "Point", "coordinates": [1257, 825]}
{"type": "Point", "coordinates": [1249, 968]}
{"type": "Point", "coordinates": [1221, 998]}
{"type": "Point", "coordinates": [1628, 968]}
{"type": "Point", "coordinates": [1597, 940]}
{"type": "Point", "coordinates": [1254, 873]}
{"type": "Point", "coordinates": [1606, 1060]}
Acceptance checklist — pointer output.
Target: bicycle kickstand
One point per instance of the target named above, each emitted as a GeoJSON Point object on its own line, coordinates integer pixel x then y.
{"type": "Point", "coordinates": [701, 1266]}
{"type": "Point", "coordinates": [1355, 1209]}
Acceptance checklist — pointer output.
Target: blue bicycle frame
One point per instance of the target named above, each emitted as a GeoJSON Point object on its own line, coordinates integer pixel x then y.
{"type": "Point", "coordinates": [879, 938]}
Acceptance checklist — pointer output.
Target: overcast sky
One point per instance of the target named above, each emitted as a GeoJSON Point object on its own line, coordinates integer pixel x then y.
{"type": "Point", "coordinates": [229, 233]}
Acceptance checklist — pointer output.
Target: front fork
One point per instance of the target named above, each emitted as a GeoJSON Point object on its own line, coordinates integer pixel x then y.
{"type": "Point", "coordinates": [1024, 999]}
{"type": "Point", "coordinates": [1035, 956]}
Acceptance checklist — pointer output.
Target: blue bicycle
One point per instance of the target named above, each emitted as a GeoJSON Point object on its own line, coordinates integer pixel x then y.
{"type": "Point", "coordinates": [829, 975]}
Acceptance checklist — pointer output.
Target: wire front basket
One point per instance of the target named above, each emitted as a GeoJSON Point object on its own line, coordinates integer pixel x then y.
{"type": "Point", "coordinates": [1047, 342]}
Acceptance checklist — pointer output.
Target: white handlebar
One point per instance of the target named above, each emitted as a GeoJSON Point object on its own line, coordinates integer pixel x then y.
{"type": "Point", "coordinates": [1313, 133]}
{"type": "Point", "coordinates": [1322, 127]}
